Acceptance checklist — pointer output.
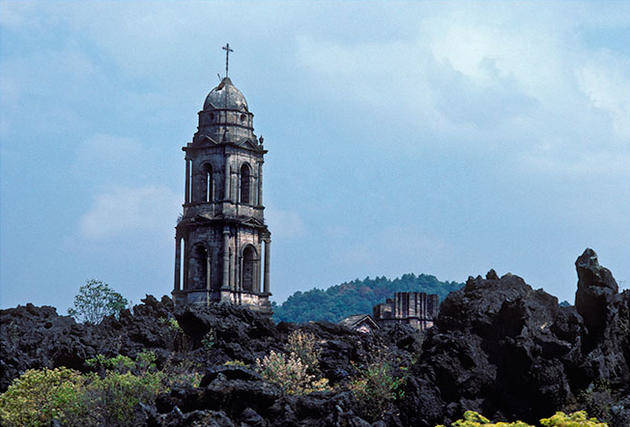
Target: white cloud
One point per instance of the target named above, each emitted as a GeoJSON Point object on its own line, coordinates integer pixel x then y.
{"type": "Point", "coordinates": [284, 223]}
{"type": "Point", "coordinates": [478, 78]}
{"type": "Point", "coordinates": [604, 80]}
{"type": "Point", "coordinates": [128, 210]}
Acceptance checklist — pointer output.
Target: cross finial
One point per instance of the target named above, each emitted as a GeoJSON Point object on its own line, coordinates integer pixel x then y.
{"type": "Point", "coordinates": [227, 50]}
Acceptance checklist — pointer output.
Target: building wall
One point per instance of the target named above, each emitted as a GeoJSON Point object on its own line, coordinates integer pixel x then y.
{"type": "Point", "coordinates": [414, 308]}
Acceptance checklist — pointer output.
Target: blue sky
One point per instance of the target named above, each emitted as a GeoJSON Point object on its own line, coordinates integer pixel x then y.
{"type": "Point", "coordinates": [445, 138]}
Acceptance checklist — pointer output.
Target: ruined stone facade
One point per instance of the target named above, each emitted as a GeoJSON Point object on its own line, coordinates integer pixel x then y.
{"type": "Point", "coordinates": [414, 308]}
{"type": "Point", "coordinates": [221, 241]}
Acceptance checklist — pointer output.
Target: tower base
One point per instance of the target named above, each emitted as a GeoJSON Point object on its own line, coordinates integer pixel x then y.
{"type": "Point", "coordinates": [258, 302]}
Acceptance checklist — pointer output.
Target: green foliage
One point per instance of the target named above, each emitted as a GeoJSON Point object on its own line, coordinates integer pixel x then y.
{"type": "Point", "coordinates": [376, 388]}
{"type": "Point", "coordinates": [575, 419]}
{"type": "Point", "coordinates": [96, 300]}
{"type": "Point", "coordinates": [172, 324]}
{"type": "Point", "coordinates": [596, 399]}
{"type": "Point", "coordinates": [289, 373]}
{"type": "Point", "coordinates": [236, 363]}
{"type": "Point", "coordinates": [358, 296]}
{"type": "Point", "coordinates": [184, 373]}
{"type": "Point", "coordinates": [207, 342]}
{"type": "Point", "coordinates": [297, 372]}
{"type": "Point", "coordinates": [560, 419]}
{"type": "Point", "coordinates": [474, 419]}
{"type": "Point", "coordinates": [41, 395]}
{"type": "Point", "coordinates": [114, 397]}
{"type": "Point", "coordinates": [303, 345]}
{"type": "Point", "coordinates": [119, 363]}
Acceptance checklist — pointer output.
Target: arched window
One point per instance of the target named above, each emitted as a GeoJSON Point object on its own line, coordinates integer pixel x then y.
{"type": "Point", "coordinates": [245, 178]}
{"type": "Point", "coordinates": [249, 268]}
{"type": "Point", "coordinates": [207, 183]}
{"type": "Point", "coordinates": [198, 268]}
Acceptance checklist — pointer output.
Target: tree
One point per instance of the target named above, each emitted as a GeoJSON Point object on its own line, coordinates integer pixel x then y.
{"type": "Point", "coordinates": [96, 300]}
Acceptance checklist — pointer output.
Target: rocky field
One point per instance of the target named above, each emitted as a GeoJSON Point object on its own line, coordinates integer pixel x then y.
{"type": "Point", "coordinates": [498, 347]}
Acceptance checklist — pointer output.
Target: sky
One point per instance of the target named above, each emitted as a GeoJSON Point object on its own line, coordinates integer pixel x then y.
{"type": "Point", "coordinates": [443, 138]}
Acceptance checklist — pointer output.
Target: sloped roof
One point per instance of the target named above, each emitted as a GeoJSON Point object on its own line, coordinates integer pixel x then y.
{"type": "Point", "coordinates": [356, 319]}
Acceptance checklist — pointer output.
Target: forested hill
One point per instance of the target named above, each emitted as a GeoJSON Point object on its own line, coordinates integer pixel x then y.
{"type": "Point", "coordinates": [356, 297]}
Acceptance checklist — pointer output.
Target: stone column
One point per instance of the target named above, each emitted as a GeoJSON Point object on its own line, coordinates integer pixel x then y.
{"type": "Point", "coordinates": [226, 187]}
{"type": "Point", "coordinates": [208, 270]}
{"type": "Point", "coordinates": [226, 258]}
{"type": "Point", "coordinates": [178, 263]}
{"type": "Point", "coordinates": [257, 276]}
{"type": "Point", "coordinates": [185, 284]}
{"type": "Point", "coordinates": [260, 202]}
{"type": "Point", "coordinates": [267, 255]}
{"type": "Point", "coordinates": [187, 189]}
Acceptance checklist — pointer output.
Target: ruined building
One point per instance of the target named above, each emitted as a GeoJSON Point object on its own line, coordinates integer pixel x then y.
{"type": "Point", "coordinates": [414, 308]}
{"type": "Point", "coordinates": [220, 237]}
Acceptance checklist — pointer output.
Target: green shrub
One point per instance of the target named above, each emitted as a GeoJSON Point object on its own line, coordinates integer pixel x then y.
{"type": "Point", "coordinates": [112, 399]}
{"type": "Point", "coordinates": [375, 389]}
{"type": "Point", "coordinates": [303, 345]}
{"type": "Point", "coordinates": [41, 395]}
{"type": "Point", "coordinates": [560, 419]}
{"type": "Point", "coordinates": [297, 372]}
{"type": "Point", "coordinates": [119, 363]}
{"type": "Point", "coordinates": [289, 373]}
{"type": "Point", "coordinates": [575, 419]}
{"type": "Point", "coordinates": [184, 373]}
{"type": "Point", "coordinates": [207, 342]}
{"type": "Point", "coordinates": [474, 419]}
{"type": "Point", "coordinates": [236, 363]}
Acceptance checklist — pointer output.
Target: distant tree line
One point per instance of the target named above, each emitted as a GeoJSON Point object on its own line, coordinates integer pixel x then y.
{"type": "Point", "coordinates": [355, 297]}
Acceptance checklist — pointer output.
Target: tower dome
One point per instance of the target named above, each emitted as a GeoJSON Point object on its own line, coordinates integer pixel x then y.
{"type": "Point", "coordinates": [225, 116]}
{"type": "Point", "coordinates": [225, 97]}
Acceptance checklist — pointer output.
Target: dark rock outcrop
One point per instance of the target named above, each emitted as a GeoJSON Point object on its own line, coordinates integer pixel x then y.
{"type": "Point", "coordinates": [504, 349]}
{"type": "Point", "coordinates": [498, 347]}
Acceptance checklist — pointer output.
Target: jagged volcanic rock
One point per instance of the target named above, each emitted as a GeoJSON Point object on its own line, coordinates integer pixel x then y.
{"type": "Point", "coordinates": [498, 346]}
{"type": "Point", "coordinates": [504, 349]}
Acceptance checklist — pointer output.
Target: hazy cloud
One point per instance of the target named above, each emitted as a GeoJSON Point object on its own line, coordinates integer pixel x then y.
{"type": "Point", "coordinates": [130, 210]}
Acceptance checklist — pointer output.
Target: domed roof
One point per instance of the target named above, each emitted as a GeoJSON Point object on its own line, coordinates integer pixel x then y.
{"type": "Point", "coordinates": [225, 96]}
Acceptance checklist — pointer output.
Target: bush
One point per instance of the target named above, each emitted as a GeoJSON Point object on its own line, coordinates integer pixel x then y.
{"type": "Point", "coordinates": [207, 342]}
{"type": "Point", "coordinates": [290, 373]}
{"type": "Point", "coordinates": [303, 345]}
{"type": "Point", "coordinates": [236, 363]}
{"type": "Point", "coordinates": [575, 419]}
{"type": "Point", "coordinates": [184, 373]}
{"type": "Point", "coordinates": [114, 397]}
{"type": "Point", "coordinates": [474, 419]}
{"type": "Point", "coordinates": [375, 389]}
{"type": "Point", "coordinates": [297, 372]}
{"type": "Point", "coordinates": [560, 419]}
{"type": "Point", "coordinates": [41, 395]}
{"type": "Point", "coordinates": [96, 300]}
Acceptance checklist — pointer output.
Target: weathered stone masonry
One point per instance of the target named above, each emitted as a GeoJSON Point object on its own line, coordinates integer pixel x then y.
{"type": "Point", "coordinates": [414, 308]}
{"type": "Point", "coordinates": [221, 240]}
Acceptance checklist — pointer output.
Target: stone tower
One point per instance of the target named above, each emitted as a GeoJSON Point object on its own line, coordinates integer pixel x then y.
{"type": "Point", "coordinates": [220, 237]}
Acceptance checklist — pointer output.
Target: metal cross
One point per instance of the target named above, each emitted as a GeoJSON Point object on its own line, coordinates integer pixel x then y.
{"type": "Point", "coordinates": [227, 50]}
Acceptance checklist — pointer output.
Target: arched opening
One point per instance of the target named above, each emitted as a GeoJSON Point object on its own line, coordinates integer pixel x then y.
{"type": "Point", "coordinates": [198, 268]}
{"type": "Point", "coordinates": [249, 268]}
{"type": "Point", "coordinates": [245, 174]}
{"type": "Point", "coordinates": [207, 183]}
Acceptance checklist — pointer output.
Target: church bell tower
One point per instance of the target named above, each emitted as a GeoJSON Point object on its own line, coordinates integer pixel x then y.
{"type": "Point", "coordinates": [221, 241]}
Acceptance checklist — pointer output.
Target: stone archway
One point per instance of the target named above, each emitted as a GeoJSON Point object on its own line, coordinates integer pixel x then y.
{"type": "Point", "coordinates": [249, 269]}
{"type": "Point", "coordinates": [198, 268]}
